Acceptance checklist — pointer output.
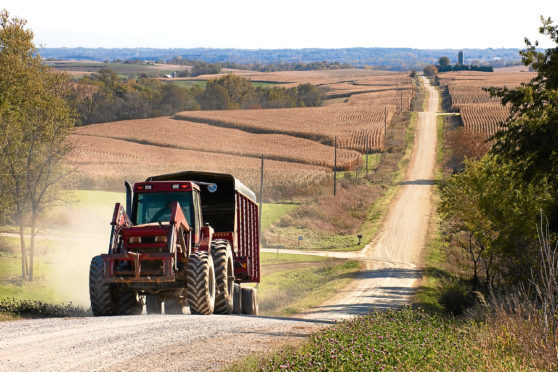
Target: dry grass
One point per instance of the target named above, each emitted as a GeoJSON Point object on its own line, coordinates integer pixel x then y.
{"type": "Point", "coordinates": [351, 124]}
{"type": "Point", "coordinates": [189, 135]}
{"type": "Point", "coordinates": [107, 162]}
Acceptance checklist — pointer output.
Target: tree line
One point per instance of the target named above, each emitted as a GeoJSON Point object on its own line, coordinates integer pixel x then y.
{"type": "Point", "coordinates": [502, 208]}
{"type": "Point", "coordinates": [262, 67]}
{"type": "Point", "coordinates": [105, 96]}
{"type": "Point", "coordinates": [444, 65]}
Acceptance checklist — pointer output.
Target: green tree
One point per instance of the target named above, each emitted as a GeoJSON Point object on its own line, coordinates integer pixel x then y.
{"type": "Point", "coordinates": [309, 95]}
{"type": "Point", "coordinates": [529, 136]}
{"type": "Point", "coordinates": [444, 62]}
{"type": "Point", "coordinates": [34, 122]}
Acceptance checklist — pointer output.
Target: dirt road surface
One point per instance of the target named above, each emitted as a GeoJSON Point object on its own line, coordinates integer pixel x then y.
{"type": "Point", "coordinates": [201, 343]}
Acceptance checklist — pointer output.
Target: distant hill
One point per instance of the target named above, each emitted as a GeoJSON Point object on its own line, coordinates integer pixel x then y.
{"type": "Point", "coordinates": [383, 58]}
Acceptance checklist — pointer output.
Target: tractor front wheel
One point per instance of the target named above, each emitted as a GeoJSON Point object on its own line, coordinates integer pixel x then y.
{"type": "Point", "coordinates": [224, 276]}
{"type": "Point", "coordinates": [201, 283]}
{"type": "Point", "coordinates": [128, 302]}
{"type": "Point", "coordinates": [100, 292]}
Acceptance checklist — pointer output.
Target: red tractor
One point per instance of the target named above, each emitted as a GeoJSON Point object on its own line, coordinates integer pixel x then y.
{"type": "Point", "coordinates": [190, 240]}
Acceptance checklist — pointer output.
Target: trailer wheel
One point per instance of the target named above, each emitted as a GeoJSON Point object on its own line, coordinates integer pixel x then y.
{"type": "Point", "coordinates": [100, 293]}
{"type": "Point", "coordinates": [173, 306]}
{"type": "Point", "coordinates": [201, 283]}
{"type": "Point", "coordinates": [128, 302]}
{"type": "Point", "coordinates": [153, 304]}
{"type": "Point", "coordinates": [250, 301]}
{"type": "Point", "coordinates": [237, 299]}
{"type": "Point", "coordinates": [224, 276]}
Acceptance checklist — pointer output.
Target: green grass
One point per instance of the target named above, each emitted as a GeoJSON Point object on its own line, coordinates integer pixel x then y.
{"type": "Point", "coordinates": [373, 162]}
{"type": "Point", "coordinates": [402, 340]}
{"type": "Point", "coordinates": [267, 258]}
{"type": "Point", "coordinates": [189, 83]}
{"type": "Point", "coordinates": [289, 292]}
{"type": "Point", "coordinates": [272, 212]}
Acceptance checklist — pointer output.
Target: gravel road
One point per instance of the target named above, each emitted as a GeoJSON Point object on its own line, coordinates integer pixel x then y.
{"type": "Point", "coordinates": [196, 343]}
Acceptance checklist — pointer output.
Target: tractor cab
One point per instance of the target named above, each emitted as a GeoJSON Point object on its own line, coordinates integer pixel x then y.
{"type": "Point", "coordinates": [153, 203]}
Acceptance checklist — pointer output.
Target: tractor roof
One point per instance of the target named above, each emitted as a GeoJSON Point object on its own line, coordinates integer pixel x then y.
{"type": "Point", "coordinates": [222, 180]}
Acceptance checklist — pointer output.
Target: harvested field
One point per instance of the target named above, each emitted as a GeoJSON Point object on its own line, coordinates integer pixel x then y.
{"type": "Point", "coordinates": [351, 124]}
{"type": "Point", "coordinates": [108, 162]}
{"type": "Point", "coordinates": [188, 135]}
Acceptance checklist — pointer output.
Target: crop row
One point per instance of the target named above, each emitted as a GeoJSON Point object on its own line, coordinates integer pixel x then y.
{"type": "Point", "coordinates": [483, 118]}
{"type": "Point", "coordinates": [320, 124]}
{"type": "Point", "coordinates": [102, 160]}
{"type": "Point", "coordinates": [167, 132]}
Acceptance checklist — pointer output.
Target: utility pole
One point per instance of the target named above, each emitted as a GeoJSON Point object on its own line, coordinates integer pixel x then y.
{"type": "Point", "coordinates": [335, 167]}
{"type": "Point", "coordinates": [261, 199]}
{"type": "Point", "coordinates": [367, 155]}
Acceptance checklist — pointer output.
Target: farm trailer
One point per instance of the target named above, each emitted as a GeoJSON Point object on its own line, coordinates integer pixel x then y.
{"type": "Point", "coordinates": [191, 239]}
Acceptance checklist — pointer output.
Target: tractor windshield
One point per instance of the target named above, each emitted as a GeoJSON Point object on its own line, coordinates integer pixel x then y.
{"type": "Point", "coordinates": [156, 206]}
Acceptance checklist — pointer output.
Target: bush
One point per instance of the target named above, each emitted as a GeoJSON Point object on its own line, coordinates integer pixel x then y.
{"type": "Point", "coordinates": [41, 309]}
{"type": "Point", "coordinates": [455, 298]}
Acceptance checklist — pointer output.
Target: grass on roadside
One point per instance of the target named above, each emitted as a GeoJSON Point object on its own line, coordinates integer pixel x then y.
{"type": "Point", "coordinates": [289, 292]}
{"type": "Point", "coordinates": [406, 339]}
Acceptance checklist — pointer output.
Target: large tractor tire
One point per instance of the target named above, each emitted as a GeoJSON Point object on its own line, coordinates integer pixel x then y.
{"type": "Point", "coordinates": [101, 294]}
{"type": "Point", "coordinates": [153, 304]}
{"type": "Point", "coordinates": [173, 306]}
{"type": "Point", "coordinates": [250, 301]}
{"type": "Point", "coordinates": [224, 276]}
{"type": "Point", "coordinates": [201, 283]}
{"type": "Point", "coordinates": [128, 302]}
{"type": "Point", "coordinates": [237, 299]}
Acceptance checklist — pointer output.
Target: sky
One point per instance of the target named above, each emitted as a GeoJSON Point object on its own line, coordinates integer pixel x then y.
{"type": "Point", "coordinates": [268, 24]}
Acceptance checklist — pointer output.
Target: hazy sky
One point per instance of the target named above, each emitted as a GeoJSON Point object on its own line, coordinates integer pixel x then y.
{"type": "Point", "coordinates": [283, 23]}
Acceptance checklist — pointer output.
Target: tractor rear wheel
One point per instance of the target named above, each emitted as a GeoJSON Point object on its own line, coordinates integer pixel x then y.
{"type": "Point", "coordinates": [237, 299]}
{"type": "Point", "coordinates": [173, 306]}
{"type": "Point", "coordinates": [128, 302]}
{"type": "Point", "coordinates": [250, 301]}
{"type": "Point", "coordinates": [224, 276]}
{"type": "Point", "coordinates": [100, 293]}
{"type": "Point", "coordinates": [201, 283]}
{"type": "Point", "coordinates": [153, 304]}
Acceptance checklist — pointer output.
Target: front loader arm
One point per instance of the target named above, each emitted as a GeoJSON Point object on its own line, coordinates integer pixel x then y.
{"type": "Point", "coordinates": [119, 219]}
{"type": "Point", "coordinates": [179, 224]}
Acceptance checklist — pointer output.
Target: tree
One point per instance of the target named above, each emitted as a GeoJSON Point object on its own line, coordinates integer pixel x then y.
{"type": "Point", "coordinates": [529, 136]}
{"type": "Point", "coordinates": [34, 122]}
{"type": "Point", "coordinates": [309, 95]}
{"type": "Point", "coordinates": [444, 62]}
{"type": "Point", "coordinates": [430, 70]}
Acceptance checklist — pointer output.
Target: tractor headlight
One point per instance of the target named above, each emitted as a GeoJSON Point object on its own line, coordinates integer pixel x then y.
{"type": "Point", "coordinates": [134, 239]}
{"type": "Point", "coordinates": [160, 239]}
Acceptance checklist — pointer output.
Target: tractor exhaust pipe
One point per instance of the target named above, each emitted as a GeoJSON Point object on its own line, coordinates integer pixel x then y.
{"type": "Point", "coordinates": [129, 195]}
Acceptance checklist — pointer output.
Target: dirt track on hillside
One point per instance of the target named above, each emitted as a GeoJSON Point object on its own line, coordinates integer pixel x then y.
{"type": "Point", "coordinates": [168, 342]}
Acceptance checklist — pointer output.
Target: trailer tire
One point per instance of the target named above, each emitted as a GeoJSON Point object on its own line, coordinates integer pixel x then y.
{"type": "Point", "coordinates": [201, 283]}
{"type": "Point", "coordinates": [173, 306]}
{"type": "Point", "coordinates": [237, 299]}
{"type": "Point", "coordinates": [128, 303]}
{"type": "Point", "coordinates": [153, 304]}
{"type": "Point", "coordinates": [250, 301]}
{"type": "Point", "coordinates": [101, 294]}
{"type": "Point", "coordinates": [224, 276]}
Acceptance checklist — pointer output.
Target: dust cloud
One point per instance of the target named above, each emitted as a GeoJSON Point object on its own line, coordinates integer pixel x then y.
{"type": "Point", "coordinates": [76, 234]}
